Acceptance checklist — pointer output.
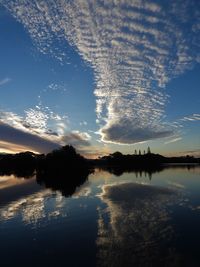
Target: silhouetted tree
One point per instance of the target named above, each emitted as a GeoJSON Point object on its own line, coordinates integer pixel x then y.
{"type": "Point", "coordinates": [148, 150]}
{"type": "Point", "coordinates": [139, 152]}
{"type": "Point", "coordinates": [135, 152]}
{"type": "Point", "coordinates": [116, 154]}
{"type": "Point", "coordinates": [21, 164]}
{"type": "Point", "coordinates": [64, 158]}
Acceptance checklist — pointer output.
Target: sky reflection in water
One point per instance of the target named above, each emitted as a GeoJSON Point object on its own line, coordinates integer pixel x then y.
{"type": "Point", "coordinates": [109, 221]}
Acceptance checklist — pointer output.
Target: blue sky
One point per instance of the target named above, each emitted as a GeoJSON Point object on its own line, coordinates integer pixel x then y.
{"type": "Point", "coordinates": [100, 75]}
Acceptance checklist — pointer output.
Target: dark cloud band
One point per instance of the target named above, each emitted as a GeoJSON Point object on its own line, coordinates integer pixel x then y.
{"type": "Point", "coordinates": [29, 140]}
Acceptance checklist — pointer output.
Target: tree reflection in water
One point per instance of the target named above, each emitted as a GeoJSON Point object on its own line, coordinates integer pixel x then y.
{"type": "Point", "coordinates": [65, 182]}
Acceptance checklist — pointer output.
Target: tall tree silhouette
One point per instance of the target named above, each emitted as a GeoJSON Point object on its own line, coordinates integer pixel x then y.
{"type": "Point", "coordinates": [148, 150]}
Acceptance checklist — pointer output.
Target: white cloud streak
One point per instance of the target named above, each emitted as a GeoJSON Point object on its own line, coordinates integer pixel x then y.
{"type": "Point", "coordinates": [5, 81]}
{"type": "Point", "coordinates": [191, 118]}
{"type": "Point", "coordinates": [173, 140]}
{"type": "Point", "coordinates": [134, 47]}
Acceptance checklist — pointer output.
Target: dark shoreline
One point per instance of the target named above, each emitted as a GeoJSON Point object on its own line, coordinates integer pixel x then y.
{"type": "Point", "coordinates": [66, 162]}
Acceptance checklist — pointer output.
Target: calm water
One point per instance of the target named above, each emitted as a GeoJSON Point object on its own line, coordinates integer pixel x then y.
{"type": "Point", "coordinates": [135, 219]}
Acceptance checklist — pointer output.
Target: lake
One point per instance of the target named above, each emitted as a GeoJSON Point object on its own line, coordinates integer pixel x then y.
{"type": "Point", "coordinates": [112, 219]}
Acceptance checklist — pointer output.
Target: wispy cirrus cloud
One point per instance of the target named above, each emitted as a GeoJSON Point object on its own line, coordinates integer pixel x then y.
{"type": "Point", "coordinates": [4, 81]}
{"type": "Point", "coordinates": [134, 47]}
{"type": "Point", "coordinates": [193, 117]}
{"type": "Point", "coordinates": [173, 140]}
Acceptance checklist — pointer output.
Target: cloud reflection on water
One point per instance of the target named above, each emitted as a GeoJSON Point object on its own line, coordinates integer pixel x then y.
{"type": "Point", "coordinates": [10, 180]}
{"type": "Point", "coordinates": [33, 208]}
{"type": "Point", "coordinates": [138, 230]}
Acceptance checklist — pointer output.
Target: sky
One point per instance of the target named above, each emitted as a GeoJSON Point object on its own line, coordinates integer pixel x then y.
{"type": "Point", "coordinates": [103, 76]}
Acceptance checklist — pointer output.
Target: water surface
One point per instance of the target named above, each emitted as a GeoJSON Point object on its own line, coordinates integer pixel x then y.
{"type": "Point", "coordinates": [121, 219]}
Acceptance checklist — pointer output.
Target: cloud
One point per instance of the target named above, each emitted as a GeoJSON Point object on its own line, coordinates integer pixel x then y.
{"type": "Point", "coordinates": [77, 139]}
{"type": "Point", "coordinates": [134, 47]}
{"type": "Point", "coordinates": [4, 81]}
{"type": "Point", "coordinates": [193, 117]}
{"type": "Point", "coordinates": [28, 140]}
{"type": "Point", "coordinates": [39, 120]}
{"type": "Point", "coordinates": [125, 132]}
{"type": "Point", "coordinates": [173, 140]}
{"type": "Point", "coordinates": [34, 132]}
{"type": "Point", "coordinates": [83, 123]}
{"type": "Point", "coordinates": [56, 87]}
{"type": "Point", "coordinates": [9, 147]}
